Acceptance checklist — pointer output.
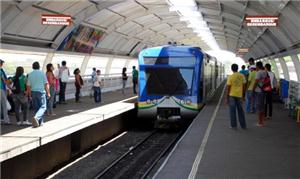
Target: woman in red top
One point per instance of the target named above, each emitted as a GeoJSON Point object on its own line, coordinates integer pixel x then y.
{"type": "Point", "coordinates": [51, 81]}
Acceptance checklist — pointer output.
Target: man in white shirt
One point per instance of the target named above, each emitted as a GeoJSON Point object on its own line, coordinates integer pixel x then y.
{"type": "Point", "coordinates": [97, 87]}
{"type": "Point", "coordinates": [63, 79]}
{"type": "Point", "coordinates": [269, 98]}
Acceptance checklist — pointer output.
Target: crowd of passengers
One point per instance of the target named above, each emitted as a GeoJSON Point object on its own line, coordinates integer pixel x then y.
{"type": "Point", "coordinates": [37, 90]}
{"type": "Point", "coordinates": [256, 86]}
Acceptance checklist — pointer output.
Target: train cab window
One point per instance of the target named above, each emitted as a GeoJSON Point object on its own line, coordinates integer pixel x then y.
{"type": "Point", "coordinates": [169, 81]}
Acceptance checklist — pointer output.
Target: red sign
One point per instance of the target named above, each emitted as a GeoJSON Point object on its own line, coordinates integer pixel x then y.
{"type": "Point", "coordinates": [243, 50]}
{"type": "Point", "coordinates": [56, 19]}
{"type": "Point", "coordinates": [261, 21]}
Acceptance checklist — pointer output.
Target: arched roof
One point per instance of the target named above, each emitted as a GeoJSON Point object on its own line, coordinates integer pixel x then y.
{"type": "Point", "coordinates": [131, 25]}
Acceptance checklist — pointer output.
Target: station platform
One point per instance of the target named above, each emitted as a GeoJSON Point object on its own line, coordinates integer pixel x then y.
{"type": "Point", "coordinates": [71, 108]}
{"type": "Point", "coordinates": [210, 149]}
{"type": "Point", "coordinates": [70, 118]}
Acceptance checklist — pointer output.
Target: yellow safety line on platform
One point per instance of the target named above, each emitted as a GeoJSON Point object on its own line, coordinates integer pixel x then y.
{"type": "Point", "coordinates": [205, 139]}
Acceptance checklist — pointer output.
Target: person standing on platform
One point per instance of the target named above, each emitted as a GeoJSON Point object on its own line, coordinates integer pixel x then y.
{"type": "Point", "coordinates": [51, 81]}
{"type": "Point", "coordinates": [135, 75]}
{"type": "Point", "coordinates": [64, 74]}
{"type": "Point", "coordinates": [78, 84]}
{"type": "Point", "coordinates": [97, 87]}
{"type": "Point", "coordinates": [37, 89]}
{"type": "Point", "coordinates": [250, 94]}
{"type": "Point", "coordinates": [94, 73]}
{"type": "Point", "coordinates": [235, 93]}
{"type": "Point", "coordinates": [20, 96]}
{"type": "Point", "coordinates": [269, 94]}
{"type": "Point", "coordinates": [124, 79]}
{"type": "Point", "coordinates": [4, 82]}
{"type": "Point", "coordinates": [251, 61]}
{"type": "Point", "coordinates": [260, 95]}
{"type": "Point", "coordinates": [56, 75]}
{"type": "Point", "coordinates": [244, 72]}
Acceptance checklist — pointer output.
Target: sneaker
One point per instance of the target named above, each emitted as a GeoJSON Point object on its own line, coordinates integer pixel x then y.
{"type": "Point", "coordinates": [35, 122]}
{"type": "Point", "coordinates": [41, 124]}
{"type": "Point", "coordinates": [26, 123]}
{"type": "Point", "coordinates": [19, 123]}
{"type": "Point", "coordinates": [260, 125]}
{"type": "Point", "coordinates": [7, 122]}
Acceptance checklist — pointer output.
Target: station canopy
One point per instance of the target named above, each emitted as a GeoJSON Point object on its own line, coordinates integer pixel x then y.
{"type": "Point", "coordinates": [131, 25]}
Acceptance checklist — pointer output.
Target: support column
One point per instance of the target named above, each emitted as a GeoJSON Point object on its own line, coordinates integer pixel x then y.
{"type": "Point", "coordinates": [284, 68]}
{"type": "Point", "coordinates": [108, 66]}
{"type": "Point", "coordinates": [47, 60]}
{"type": "Point", "coordinates": [84, 64]}
{"type": "Point", "coordinates": [296, 62]}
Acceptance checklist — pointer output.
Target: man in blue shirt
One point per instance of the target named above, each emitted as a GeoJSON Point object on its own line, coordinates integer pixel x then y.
{"type": "Point", "coordinates": [244, 71]}
{"type": "Point", "coordinates": [3, 94]}
{"type": "Point", "coordinates": [37, 86]}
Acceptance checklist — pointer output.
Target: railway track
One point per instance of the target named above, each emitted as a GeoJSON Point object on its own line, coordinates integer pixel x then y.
{"type": "Point", "coordinates": [140, 159]}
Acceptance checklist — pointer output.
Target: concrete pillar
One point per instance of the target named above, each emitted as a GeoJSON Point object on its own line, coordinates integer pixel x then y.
{"type": "Point", "coordinates": [296, 62]}
{"type": "Point", "coordinates": [108, 65]}
{"type": "Point", "coordinates": [127, 64]}
{"type": "Point", "coordinates": [284, 68]}
{"type": "Point", "coordinates": [47, 60]}
{"type": "Point", "coordinates": [84, 64]}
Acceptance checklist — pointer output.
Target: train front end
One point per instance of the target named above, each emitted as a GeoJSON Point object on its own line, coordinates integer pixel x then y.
{"type": "Point", "coordinates": [169, 83]}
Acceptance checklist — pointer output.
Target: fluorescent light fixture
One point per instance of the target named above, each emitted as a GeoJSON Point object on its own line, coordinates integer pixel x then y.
{"type": "Point", "coordinates": [190, 14]}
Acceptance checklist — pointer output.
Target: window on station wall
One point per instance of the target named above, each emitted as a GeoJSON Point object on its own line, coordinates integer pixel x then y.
{"type": "Point", "coordinates": [14, 58]}
{"type": "Point", "coordinates": [291, 68]}
{"type": "Point", "coordinates": [73, 61]}
{"type": "Point", "coordinates": [131, 64]}
{"type": "Point", "coordinates": [117, 66]}
{"type": "Point", "coordinates": [96, 62]}
{"type": "Point", "coordinates": [280, 71]}
{"type": "Point", "coordinates": [274, 68]}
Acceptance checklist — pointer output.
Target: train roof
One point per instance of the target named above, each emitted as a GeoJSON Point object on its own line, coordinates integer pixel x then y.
{"type": "Point", "coordinates": [171, 50]}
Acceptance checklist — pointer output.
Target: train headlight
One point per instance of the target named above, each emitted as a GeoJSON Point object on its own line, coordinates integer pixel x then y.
{"type": "Point", "coordinates": [154, 101]}
{"type": "Point", "coordinates": [148, 101]}
{"type": "Point", "coordinates": [188, 101]}
{"type": "Point", "coordinates": [182, 101]}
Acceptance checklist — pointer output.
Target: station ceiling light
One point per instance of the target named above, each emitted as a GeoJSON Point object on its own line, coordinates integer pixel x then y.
{"type": "Point", "coordinates": [189, 13]}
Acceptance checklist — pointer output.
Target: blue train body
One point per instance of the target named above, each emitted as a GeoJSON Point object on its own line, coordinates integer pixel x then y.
{"type": "Point", "coordinates": [172, 82]}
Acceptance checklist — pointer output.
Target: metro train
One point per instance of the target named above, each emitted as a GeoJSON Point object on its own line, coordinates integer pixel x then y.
{"type": "Point", "coordinates": [175, 82]}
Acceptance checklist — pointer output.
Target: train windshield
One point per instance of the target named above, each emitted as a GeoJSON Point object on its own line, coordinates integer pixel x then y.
{"type": "Point", "coordinates": [169, 81]}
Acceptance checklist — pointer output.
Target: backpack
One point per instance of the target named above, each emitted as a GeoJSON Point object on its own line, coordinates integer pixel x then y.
{"type": "Point", "coordinates": [266, 84]}
{"type": "Point", "coordinates": [16, 88]}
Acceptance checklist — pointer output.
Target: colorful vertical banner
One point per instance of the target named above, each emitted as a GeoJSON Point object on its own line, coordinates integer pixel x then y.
{"type": "Point", "coordinates": [82, 39]}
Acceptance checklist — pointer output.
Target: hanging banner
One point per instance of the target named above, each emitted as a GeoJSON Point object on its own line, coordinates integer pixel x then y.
{"type": "Point", "coordinates": [56, 19]}
{"type": "Point", "coordinates": [81, 39]}
{"type": "Point", "coordinates": [261, 21]}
